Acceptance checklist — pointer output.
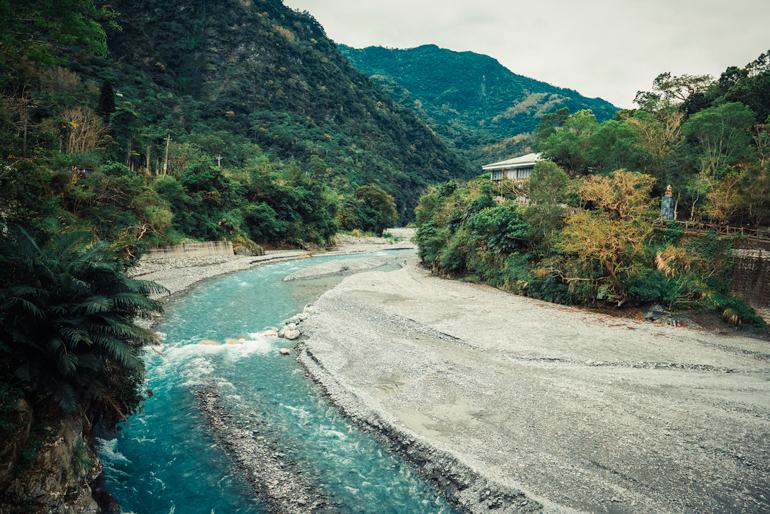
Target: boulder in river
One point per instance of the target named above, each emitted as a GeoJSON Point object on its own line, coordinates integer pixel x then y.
{"type": "Point", "coordinates": [285, 351]}
{"type": "Point", "coordinates": [283, 331]}
{"type": "Point", "coordinates": [291, 334]}
{"type": "Point", "coordinates": [233, 341]}
{"type": "Point", "coordinates": [207, 342]}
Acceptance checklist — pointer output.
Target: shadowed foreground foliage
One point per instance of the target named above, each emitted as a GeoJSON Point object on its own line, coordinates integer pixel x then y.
{"type": "Point", "coordinates": [67, 327]}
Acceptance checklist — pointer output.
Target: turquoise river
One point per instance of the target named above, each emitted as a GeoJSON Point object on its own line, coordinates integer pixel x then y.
{"type": "Point", "coordinates": [166, 461]}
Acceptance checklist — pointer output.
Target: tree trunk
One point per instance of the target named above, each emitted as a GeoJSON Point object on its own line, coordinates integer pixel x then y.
{"type": "Point", "coordinates": [26, 118]}
{"type": "Point", "coordinates": [614, 277]}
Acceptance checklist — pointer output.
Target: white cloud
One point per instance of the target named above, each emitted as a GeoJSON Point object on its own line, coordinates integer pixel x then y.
{"type": "Point", "coordinates": [604, 48]}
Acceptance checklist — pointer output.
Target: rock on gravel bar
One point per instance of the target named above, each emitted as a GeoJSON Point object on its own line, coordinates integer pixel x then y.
{"type": "Point", "coordinates": [517, 405]}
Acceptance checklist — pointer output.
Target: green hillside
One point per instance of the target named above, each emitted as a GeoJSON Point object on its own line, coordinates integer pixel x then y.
{"type": "Point", "coordinates": [264, 71]}
{"type": "Point", "coordinates": [478, 106]}
{"type": "Point", "coordinates": [225, 88]}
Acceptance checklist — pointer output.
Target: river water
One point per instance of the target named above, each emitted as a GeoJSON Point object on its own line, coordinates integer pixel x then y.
{"type": "Point", "coordinates": [166, 461]}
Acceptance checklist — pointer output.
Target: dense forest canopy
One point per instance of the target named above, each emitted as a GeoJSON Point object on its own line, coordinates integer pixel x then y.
{"type": "Point", "coordinates": [480, 108]}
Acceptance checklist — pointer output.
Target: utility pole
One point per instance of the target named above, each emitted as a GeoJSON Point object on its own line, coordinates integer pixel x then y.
{"type": "Point", "coordinates": [165, 164]}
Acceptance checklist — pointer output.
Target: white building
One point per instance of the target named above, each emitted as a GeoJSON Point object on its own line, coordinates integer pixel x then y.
{"type": "Point", "coordinates": [513, 169]}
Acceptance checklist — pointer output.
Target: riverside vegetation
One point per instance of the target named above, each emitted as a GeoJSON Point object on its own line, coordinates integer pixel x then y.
{"type": "Point", "coordinates": [591, 229]}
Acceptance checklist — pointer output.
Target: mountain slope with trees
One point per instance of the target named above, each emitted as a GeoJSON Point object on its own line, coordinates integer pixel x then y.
{"type": "Point", "coordinates": [479, 107]}
{"type": "Point", "coordinates": [260, 128]}
{"type": "Point", "coordinates": [264, 72]}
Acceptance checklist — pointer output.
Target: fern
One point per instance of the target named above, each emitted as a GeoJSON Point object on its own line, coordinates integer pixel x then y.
{"type": "Point", "coordinates": [68, 319]}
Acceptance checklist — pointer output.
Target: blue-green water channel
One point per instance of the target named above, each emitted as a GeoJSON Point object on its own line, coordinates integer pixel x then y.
{"type": "Point", "coordinates": [166, 461]}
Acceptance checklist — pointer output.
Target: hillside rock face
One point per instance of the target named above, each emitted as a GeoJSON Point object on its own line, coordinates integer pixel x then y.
{"type": "Point", "coordinates": [48, 469]}
{"type": "Point", "coordinates": [477, 105]}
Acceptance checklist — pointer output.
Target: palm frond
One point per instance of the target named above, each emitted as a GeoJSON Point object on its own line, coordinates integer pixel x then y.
{"type": "Point", "coordinates": [75, 335]}
{"type": "Point", "coordinates": [25, 244]}
{"type": "Point", "coordinates": [53, 344]}
{"type": "Point", "coordinates": [67, 363]}
{"type": "Point", "coordinates": [96, 304]}
{"type": "Point", "coordinates": [145, 287]}
{"type": "Point", "coordinates": [69, 319]}
{"type": "Point", "coordinates": [62, 393]}
{"type": "Point", "coordinates": [23, 290]}
{"type": "Point", "coordinates": [123, 355]}
{"type": "Point", "coordinates": [69, 243]}
{"type": "Point", "coordinates": [29, 307]}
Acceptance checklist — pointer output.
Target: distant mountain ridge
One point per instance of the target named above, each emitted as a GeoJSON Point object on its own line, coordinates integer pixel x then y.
{"type": "Point", "coordinates": [476, 104]}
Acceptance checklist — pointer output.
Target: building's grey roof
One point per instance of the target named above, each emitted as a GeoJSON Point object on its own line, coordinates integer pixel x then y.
{"type": "Point", "coordinates": [525, 161]}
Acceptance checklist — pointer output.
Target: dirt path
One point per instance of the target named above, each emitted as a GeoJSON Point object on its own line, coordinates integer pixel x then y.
{"type": "Point", "coordinates": [559, 409]}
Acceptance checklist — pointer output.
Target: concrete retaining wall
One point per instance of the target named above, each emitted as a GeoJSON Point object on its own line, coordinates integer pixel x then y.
{"type": "Point", "coordinates": [206, 249]}
{"type": "Point", "coordinates": [751, 276]}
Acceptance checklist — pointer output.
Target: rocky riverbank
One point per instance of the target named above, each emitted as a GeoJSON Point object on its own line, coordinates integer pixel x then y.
{"type": "Point", "coordinates": [278, 481]}
{"type": "Point", "coordinates": [517, 405]}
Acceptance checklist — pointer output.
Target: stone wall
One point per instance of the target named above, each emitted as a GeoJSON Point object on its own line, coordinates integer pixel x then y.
{"type": "Point", "coordinates": [751, 276]}
{"type": "Point", "coordinates": [205, 249]}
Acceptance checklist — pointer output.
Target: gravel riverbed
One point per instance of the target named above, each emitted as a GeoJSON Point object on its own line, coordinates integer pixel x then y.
{"type": "Point", "coordinates": [517, 405]}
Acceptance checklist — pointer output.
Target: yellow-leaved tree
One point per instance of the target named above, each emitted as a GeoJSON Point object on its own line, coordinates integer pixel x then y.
{"type": "Point", "coordinates": [611, 236]}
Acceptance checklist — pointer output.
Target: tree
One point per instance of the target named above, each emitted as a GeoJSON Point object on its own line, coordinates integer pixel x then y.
{"type": "Point", "coordinates": [622, 195]}
{"type": "Point", "coordinates": [569, 146]}
{"type": "Point", "coordinates": [612, 236]}
{"type": "Point", "coordinates": [672, 89]}
{"type": "Point", "coordinates": [548, 183]}
{"type": "Point", "coordinates": [720, 135]}
{"type": "Point", "coordinates": [31, 32]}
{"type": "Point", "coordinates": [377, 209]}
{"type": "Point", "coordinates": [723, 198]}
{"type": "Point", "coordinates": [755, 194]}
{"type": "Point", "coordinates": [595, 238]}
{"type": "Point", "coordinates": [549, 123]}
{"type": "Point", "coordinates": [660, 137]}
{"type": "Point", "coordinates": [68, 328]}
{"type": "Point", "coordinates": [106, 106]}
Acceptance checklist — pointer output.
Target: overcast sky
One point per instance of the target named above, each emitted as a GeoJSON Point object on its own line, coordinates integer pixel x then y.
{"type": "Point", "coordinates": [601, 48]}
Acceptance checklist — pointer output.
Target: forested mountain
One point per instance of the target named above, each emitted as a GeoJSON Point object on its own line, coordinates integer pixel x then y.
{"type": "Point", "coordinates": [478, 106]}
{"type": "Point", "coordinates": [266, 132]}
{"type": "Point", "coordinates": [263, 71]}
